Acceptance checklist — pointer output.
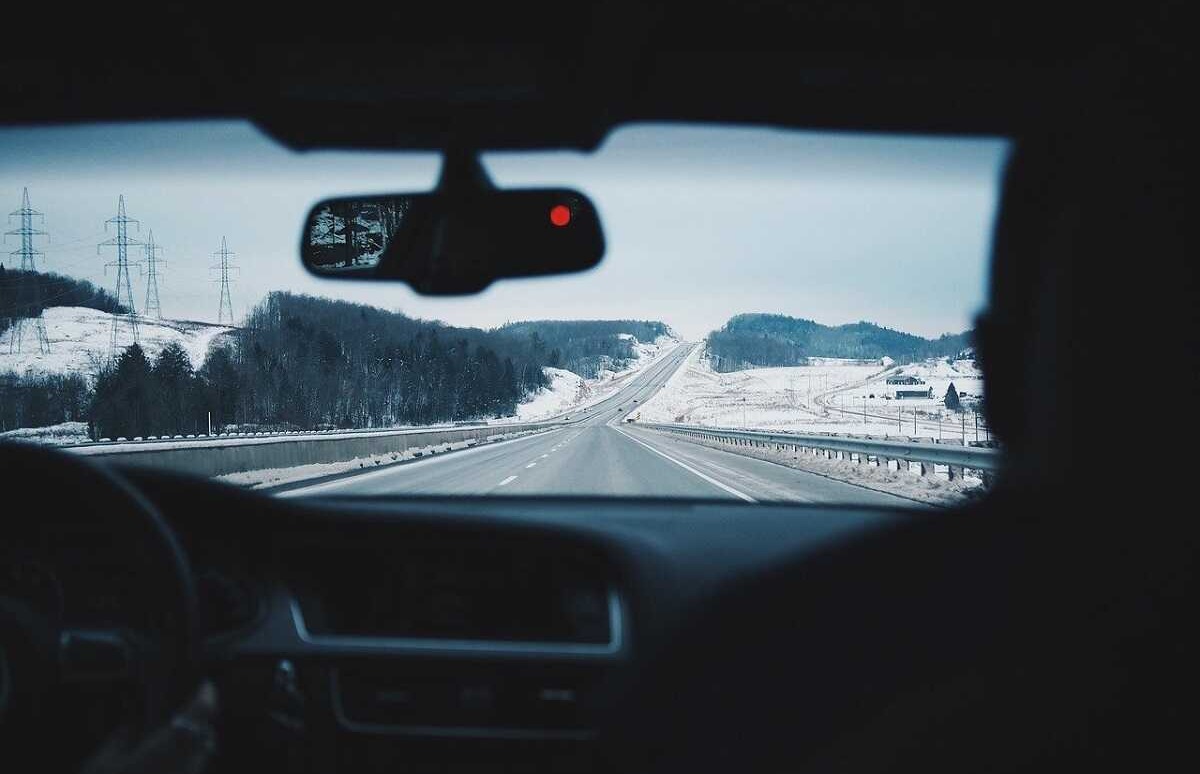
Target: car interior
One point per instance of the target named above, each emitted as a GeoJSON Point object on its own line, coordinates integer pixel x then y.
{"type": "Point", "coordinates": [1042, 627]}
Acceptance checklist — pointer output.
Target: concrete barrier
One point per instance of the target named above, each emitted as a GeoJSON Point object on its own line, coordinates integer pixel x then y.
{"type": "Point", "coordinates": [220, 456]}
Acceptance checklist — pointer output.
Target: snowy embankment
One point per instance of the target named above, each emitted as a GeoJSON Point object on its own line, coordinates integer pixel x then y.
{"type": "Point", "coordinates": [569, 392]}
{"type": "Point", "coordinates": [827, 396]}
{"type": "Point", "coordinates": [80, 338]}
{"type": "Point", "coordinates": [56, 435]}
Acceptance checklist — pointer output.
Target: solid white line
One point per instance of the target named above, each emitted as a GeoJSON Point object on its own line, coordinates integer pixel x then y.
{"type": "Point", "coordinates": [508, 480]}
{"type": "Point", "coordinates": [689, 468]}
{"type": "Point", "coordinates": [531, 465]}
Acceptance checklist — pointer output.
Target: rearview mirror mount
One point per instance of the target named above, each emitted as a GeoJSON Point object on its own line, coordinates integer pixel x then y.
{"type": "Point", "coordinates": [456, 239]}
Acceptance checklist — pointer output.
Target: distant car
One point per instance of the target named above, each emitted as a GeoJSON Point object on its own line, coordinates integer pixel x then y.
{"type": "Point", "coordinates": [620, 409]}
{"type": "Point", "coordinates": [635, 400]}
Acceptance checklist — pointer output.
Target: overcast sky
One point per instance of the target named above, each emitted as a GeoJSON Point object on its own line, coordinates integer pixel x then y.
{"type": "Point", "coordinates": [701, 223]}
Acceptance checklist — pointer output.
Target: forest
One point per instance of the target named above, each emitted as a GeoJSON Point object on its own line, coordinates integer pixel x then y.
{"type": "Point", "coordinates": [301, 363]}
{"type": "Point", "coordinates": [26, 293]}
{"type": "Point", "coordinates": [762, 340]}
{"type": "Point", "coordinates": [585, 347]}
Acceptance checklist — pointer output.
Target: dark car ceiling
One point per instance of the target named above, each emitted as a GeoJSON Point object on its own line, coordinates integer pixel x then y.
{"type": "Point", "coordinates": [367, 74]}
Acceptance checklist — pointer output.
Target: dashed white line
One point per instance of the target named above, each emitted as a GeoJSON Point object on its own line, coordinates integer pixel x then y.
{"type": "Point", "coordinates": [531, 465]}
{"type": "Point", "coordinates": [508, 480]}
{"type": "Point", "coordinates": [544, 456]}
{"type": "Point", "coordinates": [407, 467]}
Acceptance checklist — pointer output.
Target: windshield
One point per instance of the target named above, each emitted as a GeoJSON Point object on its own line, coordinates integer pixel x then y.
{"type": "Point", "coordinates": [779, 315]}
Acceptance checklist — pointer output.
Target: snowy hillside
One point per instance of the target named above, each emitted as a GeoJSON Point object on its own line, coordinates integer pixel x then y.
{"type": "Point", "coordinates": [563, 394]}
{"type": "Point", "coordinates": [79, 341]}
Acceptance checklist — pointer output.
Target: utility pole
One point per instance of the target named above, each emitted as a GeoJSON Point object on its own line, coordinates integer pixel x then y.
{"type": "Point", "coordinates": [124, 290]}
{"type": "Point", "coordinates": [899, 426]}
{"type": "Point", "coordinates": [975, 413]}
{"type": "Point", "coordinates": [225, 308]}
{"type": "Point", "coordinates": [29, 289]}
{"type": "Point", "coordinates": [963, 415]}
{"type": "Point", "coordinates": [152, 307]}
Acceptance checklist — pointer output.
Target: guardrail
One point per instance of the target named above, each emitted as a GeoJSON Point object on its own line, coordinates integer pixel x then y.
{"type": "Point", "coordinates": [218, 456]}
{"type": "Point", "coordinates": [924, 454]}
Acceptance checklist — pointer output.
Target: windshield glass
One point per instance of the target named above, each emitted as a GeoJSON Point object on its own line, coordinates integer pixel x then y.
{"type": "Point", "coordinates": [779, 315]}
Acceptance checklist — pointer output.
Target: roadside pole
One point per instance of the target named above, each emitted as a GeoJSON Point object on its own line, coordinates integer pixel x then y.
{"type": "Point", "coordinates": [210, 423]}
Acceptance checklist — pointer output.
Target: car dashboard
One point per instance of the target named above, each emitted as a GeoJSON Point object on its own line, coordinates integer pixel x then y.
{"type": "Point", "coordinates": [384, 634]}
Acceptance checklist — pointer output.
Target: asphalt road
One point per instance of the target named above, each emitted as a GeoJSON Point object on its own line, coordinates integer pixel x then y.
{"type": "Point", "coordinates": [603, 455]}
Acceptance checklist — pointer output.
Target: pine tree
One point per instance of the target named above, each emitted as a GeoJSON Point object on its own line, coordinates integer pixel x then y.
{"type": "Point", "coordinates": [174, 391]}
{"type": "Point", "coordinates": [952, 401]}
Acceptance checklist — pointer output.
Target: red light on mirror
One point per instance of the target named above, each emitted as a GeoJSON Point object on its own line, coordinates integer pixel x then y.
{"type": "Point", "coordinates": [560, 215]}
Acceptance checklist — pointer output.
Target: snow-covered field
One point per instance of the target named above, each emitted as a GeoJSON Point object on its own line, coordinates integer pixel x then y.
{"type": "Point", "coordinates": [827, 396]}
{"type": "Point", "coordinates": [568, 391]}
{"type": "Point", "coordinates": [79, 341]}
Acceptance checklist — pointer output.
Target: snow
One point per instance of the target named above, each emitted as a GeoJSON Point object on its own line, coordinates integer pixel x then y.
{"type": "Point", "coordinates": [64, 433]}
{"type": "Point", "coordinates": [563, 394]}
{"type": "Point", "coordinates": [826, 396]}
{"type": "Point", "coordinates": [79, 341]}
{"type": "Point", "coordinates": [242, 439]}
{"type": "Point", "coordinates": [266, 477]}
{"type": "Point", "coordinates": [269, 477]}
{"type": "Point", "coordinates": [898, 479]}
{"type": "Point", "coordinates": [568, 391]}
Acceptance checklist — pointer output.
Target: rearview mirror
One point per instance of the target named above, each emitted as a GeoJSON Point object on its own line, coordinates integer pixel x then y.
{"type": "Point", "coordinates": [456, 239]}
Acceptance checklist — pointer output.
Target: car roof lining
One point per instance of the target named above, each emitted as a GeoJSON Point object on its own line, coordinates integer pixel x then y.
{"type": "Point", "coordinates": [564, 76]}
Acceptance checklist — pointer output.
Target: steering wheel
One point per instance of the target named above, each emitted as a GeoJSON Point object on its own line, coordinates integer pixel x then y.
{"type": "Point", "coordinates": [42, 656]}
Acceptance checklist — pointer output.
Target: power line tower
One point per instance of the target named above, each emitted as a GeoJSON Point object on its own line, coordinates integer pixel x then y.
{"type": "Point", "coordinates": [152, 307]}
{"type": "Point", "coordinates": [124, 290]}
{"type": "Point", "coordinates": [31, 310]}
{"type": "Point", "coordinates": [225, 308]}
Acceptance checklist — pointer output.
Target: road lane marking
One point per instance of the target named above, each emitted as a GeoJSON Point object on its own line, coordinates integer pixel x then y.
{"type": "Point", "coordinates": [690, 469]}
{"type": "Point", "coordinates": [508, 480]}
{"type": "Point", "coordinates": [531, 465]}
{"type": "Point", "coordinates": [399, 468]}
{"type": "Point", "coordinates": [544, 456]}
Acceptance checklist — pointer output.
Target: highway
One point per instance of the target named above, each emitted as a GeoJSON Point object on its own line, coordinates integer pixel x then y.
{"type": "Point", "coordinates": [604, 455]}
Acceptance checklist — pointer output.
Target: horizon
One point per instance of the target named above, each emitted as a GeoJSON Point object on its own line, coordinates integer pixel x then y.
{"type": "Point", "coordinates": [701, 222]}
{"type": "Point", "coordinates": [531, 320]}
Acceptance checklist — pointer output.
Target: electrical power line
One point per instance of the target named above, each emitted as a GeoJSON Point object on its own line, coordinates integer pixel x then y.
{"type": "Point", "coordinates": [124, 290]}
{"type": "Point", "coordinates": [152, 308]}
{"type": "Point", "coordinates": [30, 289]}
{"type": "Point", "coordinates": [225, 305]}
